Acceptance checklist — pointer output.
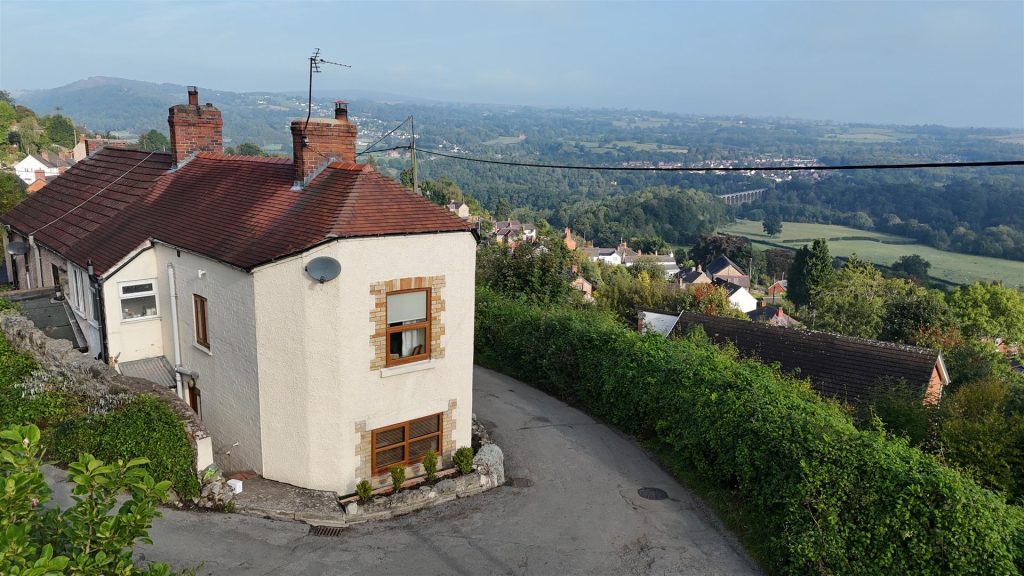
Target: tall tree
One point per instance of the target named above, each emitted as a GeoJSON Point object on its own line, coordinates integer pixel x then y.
{"type": "Point", "coordinates": [989, 310]}
{"type": "Point", "coordinates": [772, 224]}
{"type": "Point", "coordinates": [812, 267]}
{"type": "Point", "coordinates": [154, 141]}
{"type": "Point", "coordinates": [710, 246]}
{"type": "Point", "coordinates": [850, 301]}
{"type": "Point", "coordinates": [503, 210]}
{"type": "Point", "coordinates": [912, 266]}
{"type": "Point", "coordinates": [59, 130]}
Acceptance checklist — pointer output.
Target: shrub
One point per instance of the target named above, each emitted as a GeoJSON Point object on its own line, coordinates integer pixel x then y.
{"type": "Point", "coordinates": [430, 465]}
{"type": "Point", "coordinates": [463, 459]}
{"type": "Point", "coordinates": [826, 498]}
{"type": "Point", "coordinates": [397, 477]}
{"type": "Point", "coordinates": [143, 426]}
{"type": "Point", "coordinates": [364, 490]}
{"type": "Point", "coordinates": [85, 538]}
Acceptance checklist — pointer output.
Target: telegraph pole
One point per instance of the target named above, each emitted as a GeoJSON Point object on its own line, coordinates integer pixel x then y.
{"type": "Point", "coordinates": [415, 177]}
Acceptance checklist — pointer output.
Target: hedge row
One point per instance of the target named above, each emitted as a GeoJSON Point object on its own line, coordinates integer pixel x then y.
{"type": "Point", "coordinates": [140, 427]}
{"type": "Point", "coordinates": [831, 499]}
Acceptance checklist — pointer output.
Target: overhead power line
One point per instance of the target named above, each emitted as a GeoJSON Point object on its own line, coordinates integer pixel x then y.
{"type": "Point", "coordinates": [728, 168]}
{"type": "Point", "coordinates": [369, 149]}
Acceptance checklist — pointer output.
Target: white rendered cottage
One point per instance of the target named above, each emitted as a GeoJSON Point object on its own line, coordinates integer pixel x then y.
{"type": "Point", "coordinates": [298, 305]}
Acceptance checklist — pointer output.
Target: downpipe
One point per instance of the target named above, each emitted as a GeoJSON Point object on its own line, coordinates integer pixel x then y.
{"type": "Point", "coordinates": [173, 290]}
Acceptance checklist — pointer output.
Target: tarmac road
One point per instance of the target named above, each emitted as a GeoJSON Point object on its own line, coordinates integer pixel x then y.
{"type": "Point", "coordinates": [571, 507]}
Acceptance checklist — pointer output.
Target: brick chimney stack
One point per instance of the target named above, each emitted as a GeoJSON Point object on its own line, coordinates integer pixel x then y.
{"type": "Point", "coordinates": [194, 128]}
{"type": "Point", "coordinates": [321, 142]}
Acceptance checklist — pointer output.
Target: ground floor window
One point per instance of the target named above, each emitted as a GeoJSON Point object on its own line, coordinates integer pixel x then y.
{"type": "Point", "coordinates": [406, 443]}
{"type": "Point", "coordinates": [138, 299]}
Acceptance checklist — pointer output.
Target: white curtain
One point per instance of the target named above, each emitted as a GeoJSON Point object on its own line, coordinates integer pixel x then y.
{"type": "Point", "coordinates": [410, 340]}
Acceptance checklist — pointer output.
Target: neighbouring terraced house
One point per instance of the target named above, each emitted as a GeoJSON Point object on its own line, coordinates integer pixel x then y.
{"type": "Point", "coordinates": [299, 305]}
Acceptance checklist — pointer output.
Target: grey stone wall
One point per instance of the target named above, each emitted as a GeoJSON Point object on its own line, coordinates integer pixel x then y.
{"type": "Point", "coordinates": [88, 377]}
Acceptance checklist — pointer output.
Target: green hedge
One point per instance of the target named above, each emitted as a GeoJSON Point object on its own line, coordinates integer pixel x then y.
{"type": "Point", "coordinates": [141, 427]}
{"type": "Point", "coordinates": [830, 499]}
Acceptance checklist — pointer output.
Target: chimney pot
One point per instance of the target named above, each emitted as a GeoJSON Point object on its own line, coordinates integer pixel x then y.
{"type": "Point", "coordinates": [194, 128]}
{"type": "Point", "coordinates": [340, 110]}
{"type": "Point", "coordinates": [193, 96]}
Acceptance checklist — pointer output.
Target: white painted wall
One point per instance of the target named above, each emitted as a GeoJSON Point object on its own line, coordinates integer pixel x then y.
{"type": "Point", "coordinates": [26, 169]}
{"type": "Point", "coordinates": [743, 300]}
{"type": "Point", "coordinates": [134, 339]}
{"type": "Point", "coordinates": [228, 372]}
{"type": "Point", "coordinates": [315, 354]}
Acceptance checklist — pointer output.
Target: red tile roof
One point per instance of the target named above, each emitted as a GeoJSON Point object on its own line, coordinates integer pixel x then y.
{"type": "Point", "coordinates": [68, 209]}
{"type": "Point", "coordinates": [242, 210]}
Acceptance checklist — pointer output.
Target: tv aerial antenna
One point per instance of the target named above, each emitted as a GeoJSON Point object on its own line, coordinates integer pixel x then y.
{"type": "Point", "coordinates": [314, 67]}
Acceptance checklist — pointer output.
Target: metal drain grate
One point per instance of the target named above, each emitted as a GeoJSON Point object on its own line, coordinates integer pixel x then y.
{"type": "Point", "coordinates": [652, 493]}
{"type": "Point", "coordinates": [325, 530]}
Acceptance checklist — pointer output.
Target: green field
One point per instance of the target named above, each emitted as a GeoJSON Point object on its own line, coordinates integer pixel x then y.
{"type": "Point", "coordinates": [885, 249]}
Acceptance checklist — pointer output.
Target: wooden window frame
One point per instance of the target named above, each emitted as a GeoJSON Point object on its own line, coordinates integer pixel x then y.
{"type": "Point", "coordinates": [389, 330]}
{"type": "Point", "coordinates": [201, 321]}
{"type": "Point", "coordinates": [374, 449]}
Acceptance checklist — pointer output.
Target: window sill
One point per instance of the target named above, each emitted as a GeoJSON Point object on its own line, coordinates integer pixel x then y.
{"type": "Point", "coordinates": [202, 348]}
{"type": "Point", "coordinates": [139, 319]}
{"type": "Point", "coordinates": [407, 368]}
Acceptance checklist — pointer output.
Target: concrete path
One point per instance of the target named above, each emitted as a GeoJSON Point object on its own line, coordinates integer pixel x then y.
{"type": "Point", "coordinates": [572, 508]}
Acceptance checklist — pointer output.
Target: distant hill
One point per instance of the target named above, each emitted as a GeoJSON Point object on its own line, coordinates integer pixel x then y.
{"type": "Point", "coordinates": [106, 104]}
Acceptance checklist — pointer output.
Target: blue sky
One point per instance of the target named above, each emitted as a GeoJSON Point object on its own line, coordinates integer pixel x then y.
{"type": "Point", "coordinates": [952, 63]}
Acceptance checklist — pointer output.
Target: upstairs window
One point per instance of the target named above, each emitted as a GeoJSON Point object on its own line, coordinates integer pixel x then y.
{"type": "Point", "coordinates": [202, 328]}
{"type": "Point", "coordinates": [408, 328]}
{"type": "Point", "coordinates": [138, 300]}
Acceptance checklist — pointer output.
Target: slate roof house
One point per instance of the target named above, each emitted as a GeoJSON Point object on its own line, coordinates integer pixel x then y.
{"type": "Point", "coordinates": [852, 370]}
{"type": "Point", "coordinates": [773, 315]}
{"type": "Point", "coordinates": [725, 269]}
{"type": "Point", "coordinates": [738, 296]}
{"type": "Point", "coordinates": [299, 301]}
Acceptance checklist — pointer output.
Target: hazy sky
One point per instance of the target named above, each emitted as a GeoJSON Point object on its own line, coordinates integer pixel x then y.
{"type": "Point", "coordinates": [953, 63]}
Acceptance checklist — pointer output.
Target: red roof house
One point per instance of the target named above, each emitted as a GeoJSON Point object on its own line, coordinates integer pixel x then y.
{"type": "Point", "coordinates": [300, 302]}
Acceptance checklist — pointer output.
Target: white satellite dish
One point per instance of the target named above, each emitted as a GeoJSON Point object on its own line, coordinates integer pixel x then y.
{"type": "Point", "coordinates": [17, 248]}
{"type": "Point", "coordinates": [323, 269]}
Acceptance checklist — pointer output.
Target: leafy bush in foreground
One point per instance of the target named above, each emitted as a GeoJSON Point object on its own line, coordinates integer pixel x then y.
{"type": "Point", "coordinates": [831, 499]}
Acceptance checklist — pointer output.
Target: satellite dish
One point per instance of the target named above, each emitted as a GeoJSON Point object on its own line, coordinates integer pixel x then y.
{"type": "Point", "coordinates": [323, 269]}
{"type": "Point", "coordinates": [17, 248]}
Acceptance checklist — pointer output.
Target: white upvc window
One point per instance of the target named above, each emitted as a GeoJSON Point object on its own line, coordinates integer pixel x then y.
{"type": "Point", "coordinates": [138, 300]}
{"type": "Point", "coordinates": [79, 281]}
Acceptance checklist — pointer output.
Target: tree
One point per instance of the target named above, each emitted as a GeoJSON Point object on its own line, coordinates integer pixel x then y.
{"type": "Point", "coordinates": [86, 538]}
{"type": "Point", "coordinates": [772, 224]}
{"type": "Point", "coordinates": [12, 191]}
{"type": "Point", "coordinates": [989, 310]}
{"type": "Point", "coordinates": [851, 301]}
{"type": "Point", "coordinates": [246, 149]}
{"type": "Point", "coordinates": [980, 435]}
{"type": "Point", "coordinates": [59, 130]}
{"type": "Point", "coordinates": [812, 267]}
{"type": "Point", "coordinates": [777, 262]}
{"type": "Point", "coordinates": [441, 191]}
{"type": "Point", "coordinates": [911, 312]}
{"type": "Point", "coordinates": [154, 141]}
{"type": "Point", "coordinates": [648, 265]}
{"type": "Point", "coordinates": [503, 209]}
{"type": "Point", "coordinates": [710, 246]}
{"type": "Point", "coordinates": [913, 267]}
{"type": "Point", "coordinates": [535, 271]}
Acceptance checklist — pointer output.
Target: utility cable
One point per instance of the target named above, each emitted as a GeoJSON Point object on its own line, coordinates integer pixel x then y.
{"type": "Point", "coordinates": [83, 203]}
{"type": "Point", "coordinates": [732, 168]}
{"type": "Point", "coordinates": [369, 150]}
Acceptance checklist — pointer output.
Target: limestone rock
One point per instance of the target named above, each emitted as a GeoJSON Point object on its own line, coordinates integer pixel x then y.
{"type": "Point", "coordinates": [490, 461]}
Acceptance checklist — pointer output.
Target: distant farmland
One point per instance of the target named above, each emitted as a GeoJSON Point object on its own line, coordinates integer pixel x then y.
{"type": "Point", "coordinates": [885, 249]}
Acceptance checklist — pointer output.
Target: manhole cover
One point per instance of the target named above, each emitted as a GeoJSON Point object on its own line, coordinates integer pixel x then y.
{"type": "Point", "coordinates": [652, 493]}
{"type": "Point", "coordinates": [520, 482]}
{"type": "Point", "coordinates": [325, 530]}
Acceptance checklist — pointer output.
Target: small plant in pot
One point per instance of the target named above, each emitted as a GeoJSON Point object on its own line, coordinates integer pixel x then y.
{"type": "Point", "coordinates": [463, 459]}
{"type": "Point", "coordinates": [364, 490]}
{"type": "Point", "coordinates": [430, 465]}
{"type": "Point", "coordinates": [397, 477]}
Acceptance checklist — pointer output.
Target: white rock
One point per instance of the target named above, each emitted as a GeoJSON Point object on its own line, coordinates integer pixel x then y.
{"type": "Point", "coordinates": [236, 486]}
{"type": "Point", "coordinates": [351, 508]}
